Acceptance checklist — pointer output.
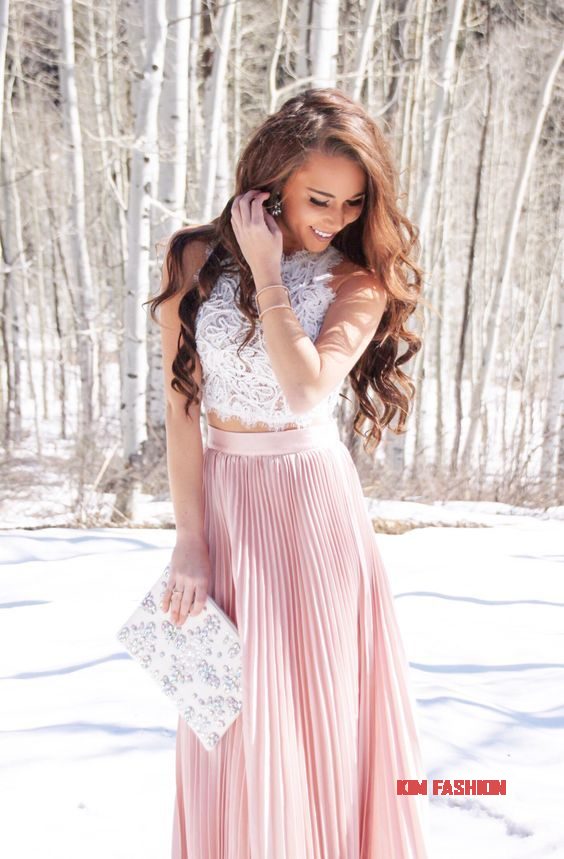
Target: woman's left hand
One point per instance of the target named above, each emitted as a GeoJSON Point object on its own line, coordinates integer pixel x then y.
{"type": "Point", "coordinates": [257, 234]}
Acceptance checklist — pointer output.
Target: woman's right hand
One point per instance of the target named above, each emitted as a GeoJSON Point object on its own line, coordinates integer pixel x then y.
{"type": "Point", "coordinates": [190, 573]}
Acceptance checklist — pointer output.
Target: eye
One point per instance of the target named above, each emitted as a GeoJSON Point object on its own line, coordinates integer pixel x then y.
{"type": "Point", "coordinates": [325, 204]}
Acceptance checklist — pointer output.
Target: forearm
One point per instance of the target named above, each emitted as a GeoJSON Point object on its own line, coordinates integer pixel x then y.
{"type": "Point", "coordinates": [185, 457]}
{"type": "Point", "coordinates": [294, 358]}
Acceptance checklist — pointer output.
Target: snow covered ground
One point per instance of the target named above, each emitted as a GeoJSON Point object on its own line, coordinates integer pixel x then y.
{"type": "Point", "coordinates": [87, 740]}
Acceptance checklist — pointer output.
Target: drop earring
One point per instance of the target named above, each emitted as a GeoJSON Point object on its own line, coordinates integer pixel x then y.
{"type": "Point", "coordinates": [277, 207]}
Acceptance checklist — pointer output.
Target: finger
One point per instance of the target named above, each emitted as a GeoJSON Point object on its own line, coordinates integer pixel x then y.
{"type": "Point", "coordinates": [235, 213]}
{"type": "Point", "coordinates": [165, 601]}
{"type": "Point", "coordinates": [236, 222]}
{"type": "Point", "coordinates": [175, 603]}
{"type": "Point", "coordinates": [257, 209]}
{"type": "Point", "coordinates": [271, 223]}
{"type": "Point", "coordinates": [244, 208]}
{"type": "Point", "coordinates": [244, 216]}
{"type": "Point", "coordinates": [200, 598]}
{"type": "Point", "coordinates": [244, 204]}
{"type": "Point", "coordinates": [184, 609]}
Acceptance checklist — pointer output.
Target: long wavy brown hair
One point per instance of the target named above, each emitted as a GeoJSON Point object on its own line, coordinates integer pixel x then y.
{"type": "Point", "coordinates": [382, 240]}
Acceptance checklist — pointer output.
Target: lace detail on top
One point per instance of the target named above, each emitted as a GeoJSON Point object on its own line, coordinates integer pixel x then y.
{"type": "Point", "coordinates": [244, 387]}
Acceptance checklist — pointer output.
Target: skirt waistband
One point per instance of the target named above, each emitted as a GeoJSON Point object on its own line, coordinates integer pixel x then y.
{"type": "Point", "coordinates": [275, 441]}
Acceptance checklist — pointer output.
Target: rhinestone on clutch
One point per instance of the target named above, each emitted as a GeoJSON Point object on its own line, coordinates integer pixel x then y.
{"type": "Point", "coordinates": [197, 665]}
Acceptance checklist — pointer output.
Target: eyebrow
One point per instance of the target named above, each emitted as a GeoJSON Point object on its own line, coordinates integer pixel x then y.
{"type": "Point", "coordinates": [326, 194]}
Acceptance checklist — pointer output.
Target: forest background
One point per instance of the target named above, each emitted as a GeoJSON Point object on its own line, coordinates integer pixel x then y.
{"type": "Point", "coordinates": [122, 121]}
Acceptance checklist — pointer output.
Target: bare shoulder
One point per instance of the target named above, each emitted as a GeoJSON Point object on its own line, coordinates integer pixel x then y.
{"type": "Point", "coordinates": [349, 276]}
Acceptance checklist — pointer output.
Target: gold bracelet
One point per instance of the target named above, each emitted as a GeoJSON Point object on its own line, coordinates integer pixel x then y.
{"type": "Point", "coordinates": [274, 306]}
{"type": "Point", "coordinates": [272, 286]}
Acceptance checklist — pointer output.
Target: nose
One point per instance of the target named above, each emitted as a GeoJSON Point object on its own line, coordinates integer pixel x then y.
{"type": "Point", "coordinates": [339, 221]}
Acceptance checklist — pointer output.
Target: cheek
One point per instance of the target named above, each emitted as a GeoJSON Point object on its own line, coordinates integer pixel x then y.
{"type": "Point", "coordinates": [300, 214]}
{"type": "Point", "coordinates": [293, 212]}
{"type": "Point", "coordinates": [305, 214]}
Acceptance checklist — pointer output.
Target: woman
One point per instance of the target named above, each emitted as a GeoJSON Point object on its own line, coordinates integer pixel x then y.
{"type": "Point", "coordinates": [267, 310]}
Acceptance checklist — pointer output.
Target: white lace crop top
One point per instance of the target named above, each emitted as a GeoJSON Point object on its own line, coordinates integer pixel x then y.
{"type": "Point", "coordinates": [244, 387]}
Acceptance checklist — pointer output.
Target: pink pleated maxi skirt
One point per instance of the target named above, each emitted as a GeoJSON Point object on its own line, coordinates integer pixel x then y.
{"type": "Point", "coordinates": [309, 768]}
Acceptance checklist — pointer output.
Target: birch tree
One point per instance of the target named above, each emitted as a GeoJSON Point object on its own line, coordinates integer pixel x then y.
{"type": "Point", "coordinates": [324, 43]}
{"type": "Point", "coordinates": [552, 466]}
{"type": "Point", "coordinates": [169, 214]}
{"type": "Point", "coordinates": [428, 180]}
{"type": "Point", "coordinates": [194, 112]}
{"type": "Point", "coordinates": [173, 121]}
{"type": "Point", "coordinates": [365, 41]}
{"type": "Point", "coordinates": [453, 95]}
{"type": "Point", "coordinates": [4, 18]}
{"type": "Point", "coordinates": [11, 318]}
{"type": "Point", "coordinates": [143, 160]}
{"type": "Point", "coordinates": [215, 96]}
{"type": "Point", "coordinates": [492, 332]}
{"type": "Point", "coordinates": [87, 341]}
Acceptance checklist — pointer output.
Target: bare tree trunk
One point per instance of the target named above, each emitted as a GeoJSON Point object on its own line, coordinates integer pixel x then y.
{"type": "Point", "coordinates": [365, 42]}
{"type": "Point", "coordinates": [11, 310]}
{"type": "Point", "coordinates": [38, 233]}
{"type": "Point", "coordinates": [60, 352]}
{"type": "Point", "coordinates": [395, 446]}
{"type": "Point", "coordinates": [472, 254]}
{"type": "Point", "coordinates": [445, 75]}
{"type": "Point", "coordinates": [272, 83]}
{"type": "Point", "coordinates": [173, 120]}
{"type": "Point", "coordinates": [143, 174]}
{"type": "Point", "coordinates": [117, 167]}
{"type": "Point", "coordinates": [19, 253]}
{"type": "Point", "coordinates": [83, 275]}
{"type": "Point", "coordinates": [554, 414]}
{"type": "Point", "coordinates": [64, 312]}
{"type": "Point", "coordinates": [325, 43]}
{"type": "Point", "coordinates": [173, 157]}
{"type": "Point", "coordinates": [502, 282]}
{"type": "Point", "coordinates": [194, 112]}
{"type": "Point", "coordinates": [303, 39]}
{"type": "Point", "coordinates": [214, 109]}
{"type": "Point", "coordinates": [4, 18]}
{"type": "Point", "coordinates": [105, 245]}
{"type": "Point", "coordinates": [223, 175]}
{"type": "Point", "coordinates": [6, 317]}
{"type": "Point", "coordinates": [237, 80]}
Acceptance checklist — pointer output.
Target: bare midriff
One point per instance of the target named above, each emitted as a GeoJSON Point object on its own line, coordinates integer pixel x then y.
{"type": "Point", "coordinates": [234, 425]}
{"type": "Point", "coordinates": [340, 271]}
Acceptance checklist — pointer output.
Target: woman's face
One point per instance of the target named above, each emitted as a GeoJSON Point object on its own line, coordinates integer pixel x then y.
{"type": "Point", "coordinates": [326, 194]}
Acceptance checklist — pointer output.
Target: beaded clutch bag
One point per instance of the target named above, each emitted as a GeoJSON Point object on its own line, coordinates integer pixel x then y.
{"type": "Point", "coordinates": [197, 665]}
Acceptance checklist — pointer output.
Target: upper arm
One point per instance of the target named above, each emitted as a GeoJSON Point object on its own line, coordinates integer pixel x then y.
{"type": "Point", "coordinates": [169, 318]}
{"type": "Point", "coordinates": [348, 328]}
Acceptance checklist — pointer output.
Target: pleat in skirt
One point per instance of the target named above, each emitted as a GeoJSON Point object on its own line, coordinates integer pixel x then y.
{"type": "Point", "coordinates": [309, 769]}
